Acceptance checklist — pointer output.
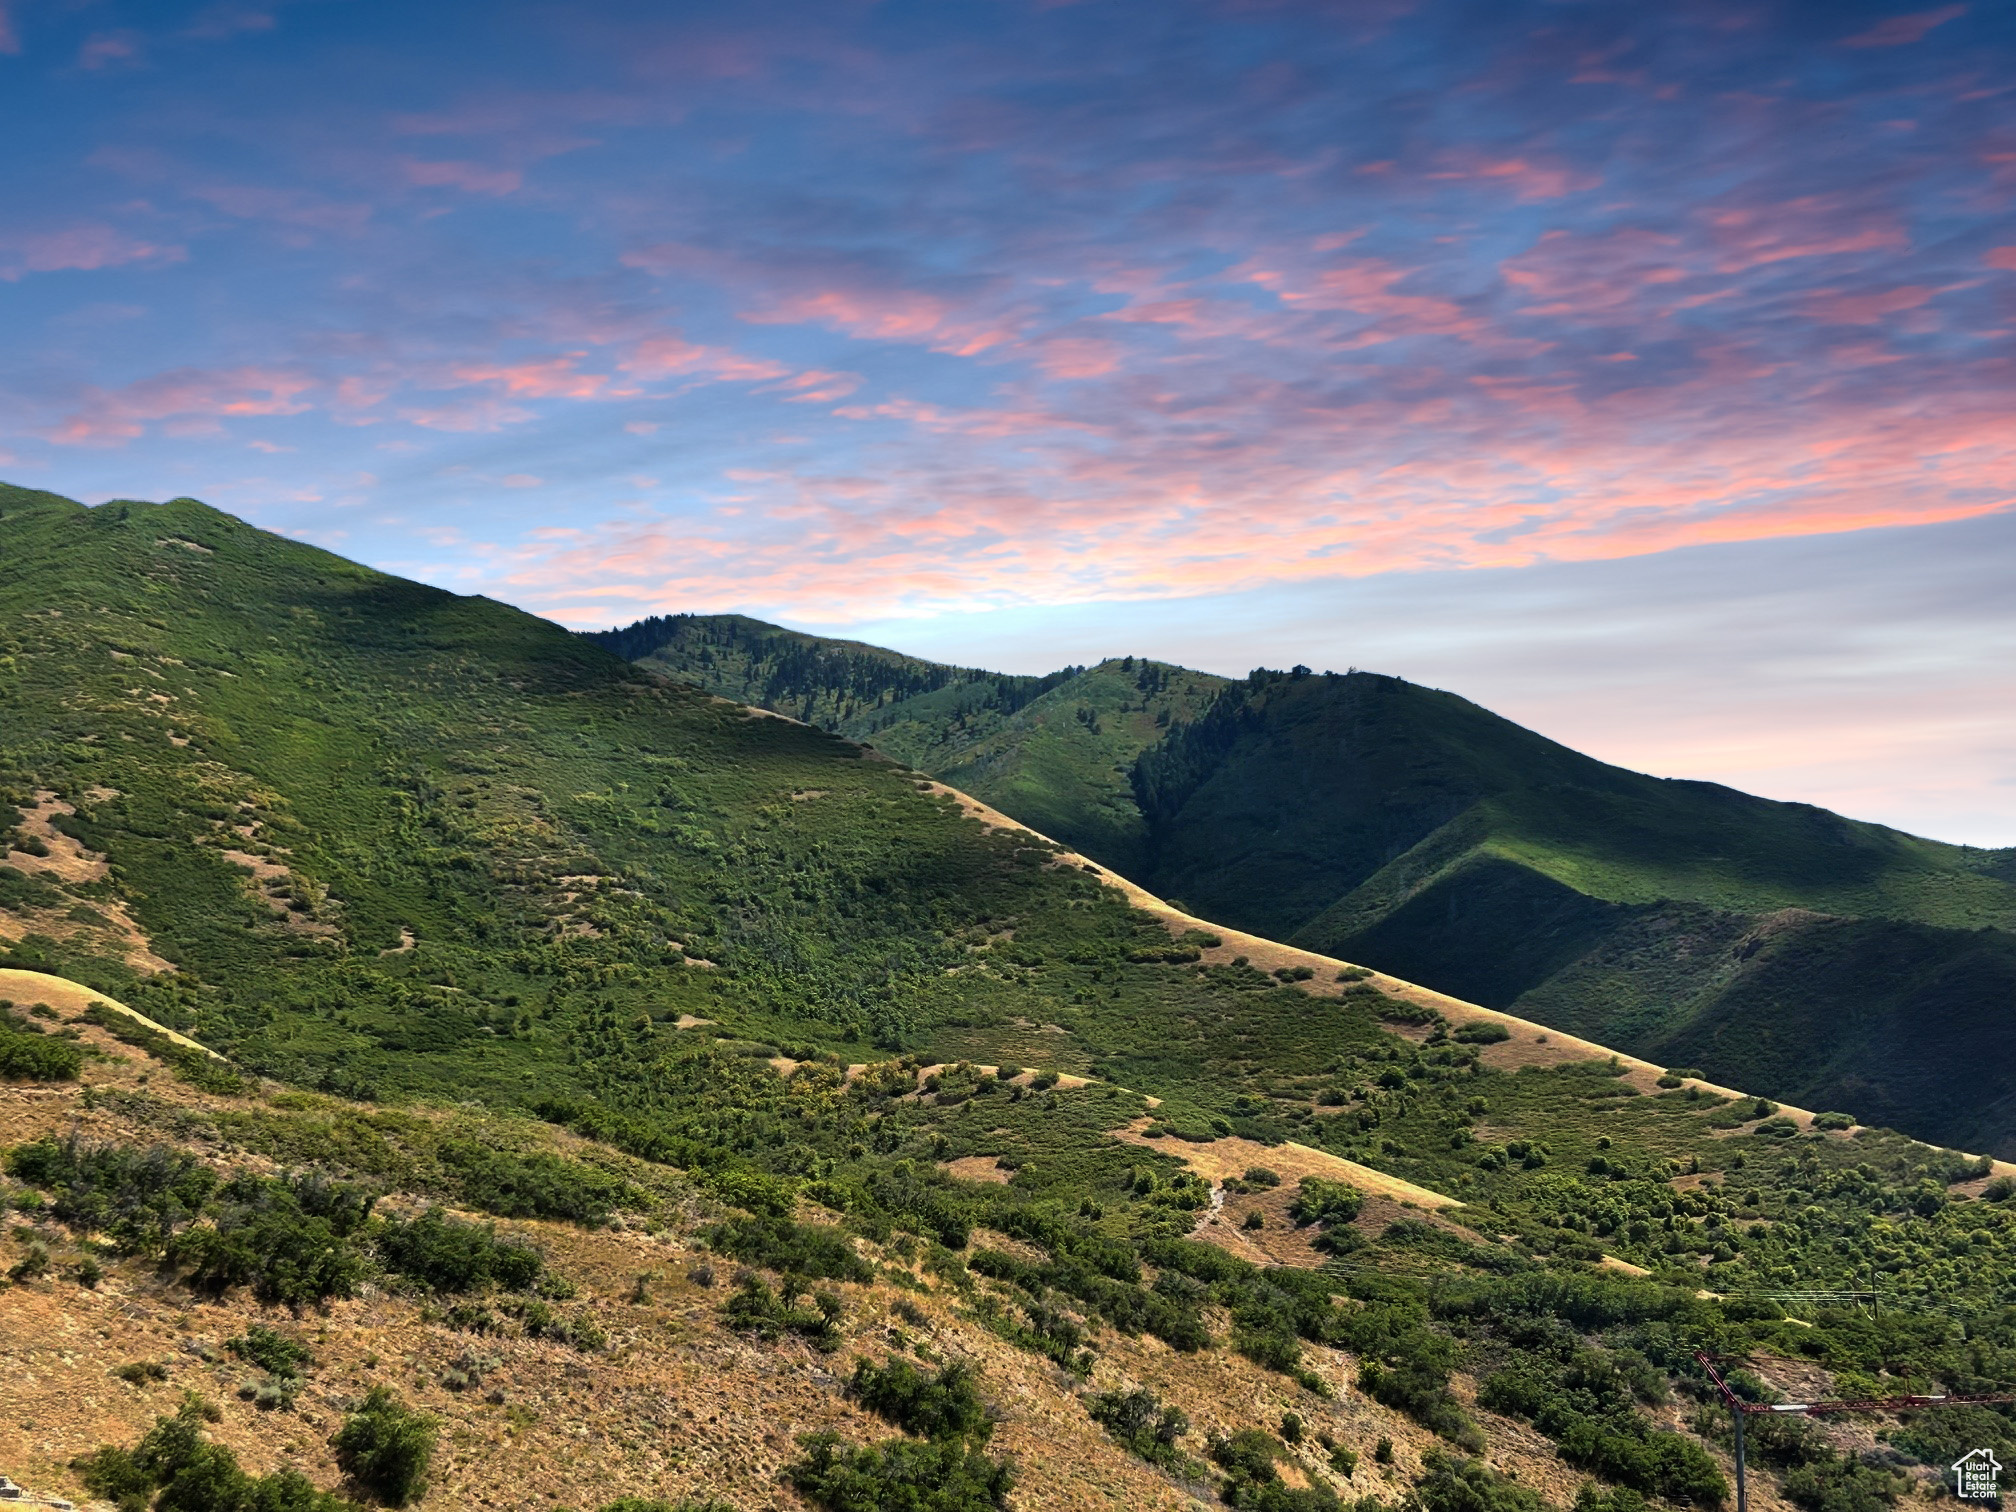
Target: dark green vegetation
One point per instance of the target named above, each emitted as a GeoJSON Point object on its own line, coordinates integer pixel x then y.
{"type": "Point", "coordinates": [1825, 961]}
{"type": "Point", "coordinates": [28, 1052]}
{"type": "Point", "coordinates": [1054, 751]}
{"type": "Point", "coordinates": [297, 1239]}
{"type": "Point", "coordinates": [415, 849]}
{"type": "Point", "coordinates": [385, 1446]}
{"type": "Point", "coordinates": [175, 1468]}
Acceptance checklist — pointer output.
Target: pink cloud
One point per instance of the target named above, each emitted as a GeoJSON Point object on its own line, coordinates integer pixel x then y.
{"type": "Point", "coordinates": [84, 248]}
{"type": "Point", "coordinates": [465, 415]}
{"type": "Point", "coordinates": [1530, 180]}
{"type": "Point", "coordinates": [816, 387]}
{"type": "Point", "coordinates": [1610, 275]}
{"type": "Point", "coordinates": [545, 378]}
{"type": "Point", "coordinates": [10, 35]}
{"type": "Point", "coordinates": [665, 356]}
{"type": "Point", "coordinates": [2001, 257]}
{"type": "Point", "coordinates": [189, 401]}
{"type": "Point", "coordinates": [1865, 309]}
{"type": "Point", "coordinates": [1899, 31]}
{"type": "Point", "coordinates": [1366, 287]}
{"type": "Point", "coordinates": [1749, 237]}
{"type": "Point", "coordinates": [472, 178]}
{"type": "Point", "coordinates": [107, 49]}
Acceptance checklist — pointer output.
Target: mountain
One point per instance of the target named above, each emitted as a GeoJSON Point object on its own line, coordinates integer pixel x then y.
{"type": "Point", "coordinates": [434, 1048]}
{"type": "Point", "coordinates": [1777, 944]}
{"type": "Point", "coordinates": [1811, 956]}
{"type": "Point", "coordinates": [1055, 751]}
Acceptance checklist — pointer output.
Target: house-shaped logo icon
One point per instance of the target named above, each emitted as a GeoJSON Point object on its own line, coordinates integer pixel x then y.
{"type": "Point", "coordinates": [1977, 1476]}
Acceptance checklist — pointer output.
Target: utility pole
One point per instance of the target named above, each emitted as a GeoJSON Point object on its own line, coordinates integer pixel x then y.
{"type": "Point", "coordinates": [1740, 1409]}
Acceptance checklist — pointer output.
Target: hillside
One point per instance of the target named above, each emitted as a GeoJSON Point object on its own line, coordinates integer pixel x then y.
{"type": "Point", "coordinates": [1776, 944]}
{"type": "Point", "coordinates": [768, 1057]}
{"type": "Point", "coordinates": [1813, 957]}
{"type": "Point", "coordinates": [1055, 751]}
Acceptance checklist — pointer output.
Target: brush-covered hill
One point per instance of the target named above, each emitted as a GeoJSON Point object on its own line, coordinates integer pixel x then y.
{"type": "Point", "coordinates": [846, 1145]}
{"type": "Point", "coordinates": [1775, 944]}
{"type": "Point", "coordinates": [1811, 956]}
{"type": "Point", "coordinates": [1055, 751]}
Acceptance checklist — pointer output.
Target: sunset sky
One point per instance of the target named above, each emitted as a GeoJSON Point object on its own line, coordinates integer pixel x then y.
{"type": "Point", "coordinates": [1643, 372]}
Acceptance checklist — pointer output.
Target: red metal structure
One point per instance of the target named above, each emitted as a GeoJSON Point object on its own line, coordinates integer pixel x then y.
{"type": "Point", "coordinates": [1740, 1409]}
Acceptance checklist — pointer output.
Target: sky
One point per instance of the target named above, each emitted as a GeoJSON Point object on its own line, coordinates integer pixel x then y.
{"type": "Point", "coordinates": [1642, 372]}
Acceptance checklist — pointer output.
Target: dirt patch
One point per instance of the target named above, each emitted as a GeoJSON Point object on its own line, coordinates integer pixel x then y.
{"type": "Point", "coordinates": [1226, 1158]}
{"type": "Point", "coordinates": [977, 1168]}
{"type": "Point", "coordinates": [103, 925]}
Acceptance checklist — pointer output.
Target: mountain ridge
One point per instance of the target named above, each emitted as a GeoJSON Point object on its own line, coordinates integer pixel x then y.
{"type": "Point", "coordinates": [1407, 828]}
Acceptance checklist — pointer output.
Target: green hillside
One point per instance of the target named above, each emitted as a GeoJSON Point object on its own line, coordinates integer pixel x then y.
{"type": "Point", "coordinates": [1055, 751]}
{"type": "Point", "coordinates": [1774, 944]}
{"type": "Point", "coordinates": [483, 915]}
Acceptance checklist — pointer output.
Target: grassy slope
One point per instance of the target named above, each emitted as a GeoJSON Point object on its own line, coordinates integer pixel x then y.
{"type": "Point", "coordinates": [1054, 751]}
{"type": "Point", "coordinates": [1774, 944]}
{"type": "Point", "coordinates": [563, 839]}
{"type": "Point", "coordinates": [1822, 959]}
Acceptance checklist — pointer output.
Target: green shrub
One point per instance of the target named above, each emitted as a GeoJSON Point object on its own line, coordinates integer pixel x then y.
{"type": "Point", "coordinates": [272, 1351]}
{"type": "Point", "coordinates": [446, 1254]}
{"type": "Point", "coordinates": [289, 1238]}
{"type": "Point", "coordinates": [1252, 1481]}
{"type": "Point", "coordinates": [781, 1245]}
{"type": "Point", "coordinates": [138, 1197]}
{"type": "Point", "coordinates": [1139, 1421]}
{"type": "Point", "coordinates": [755, 1308]}
{"type": "Point", "coordinates": [177, 1466]}
{"type": "Point", "coordinates": [899, 1475]}
{"type": "Point", "coordinates": [944, 1405]}
{"type": "Point", "coordinates": [385, 1447]}
{"type": "Point", "coordinates": [1449, 1484]}
{"type": "Point", "coordinates": [1325, 1202]}
{"type": "Point", "coordinates": [27, 1053]}
{"type": "Point", "coordinates": [1833, 1120]}
{"type": "Point", "coordinates": [1481, 1032]}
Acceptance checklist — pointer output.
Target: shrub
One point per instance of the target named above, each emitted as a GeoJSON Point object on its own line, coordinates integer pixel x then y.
{"type": "Point", "coordinates": [755, 1308]}
{"type": "Point", "coordinates": [1833, 1120]}
{"type": "Point", "coordinates": [1325, 1202]}
{"type": "Point", "coordinates": [1456, 1485]}
{"type": "Point", "coordinates": [139, 1198]}
{"type": "Point", "coordinates": [938, 1406]}
{"type": "Point", "coordinates": [1251, 1481]}
{"type": "Point", "coordinates": [27, 1053]}
{"type": "Point", "coordinates": [1140, 1422]}
{"type": "Point", "coordinates": [385, 1446]}
{"type": "Point", "coordinates": [1481, 1032]}
{"type": "Point", "coordinates": [781, 1245]}
{"type": "Point", "coordinates": [271, 1351]}
{"type": "Point", "coordinates": [1261, 1176]}
{"type": "Point", "coordinates": [191, 1474]}
{"type": "Point", "coordinates": [447, 1255]}
{"type": "Point", "coordinates": [288, 1238]}
{"type": "Point", "coordinates": [899, 1475]}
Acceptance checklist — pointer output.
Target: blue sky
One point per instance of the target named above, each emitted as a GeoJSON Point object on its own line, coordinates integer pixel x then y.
{"type": "Point", "coordinates": [1528, 348]}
